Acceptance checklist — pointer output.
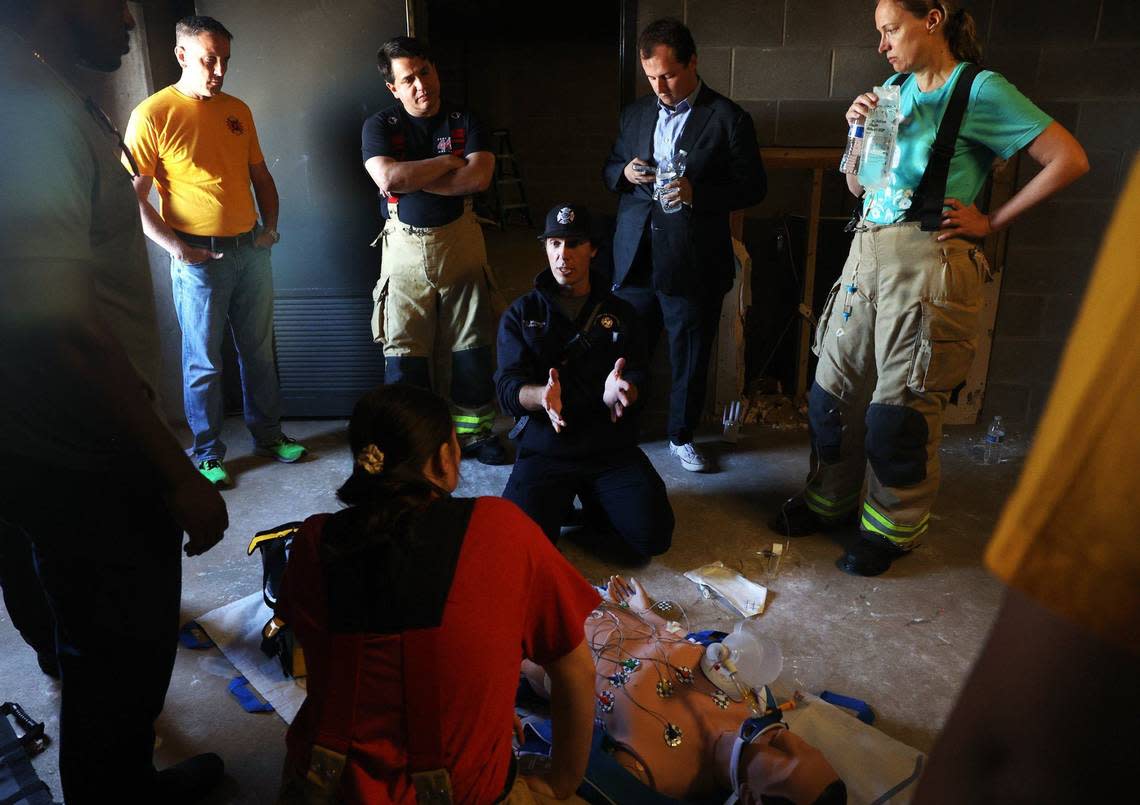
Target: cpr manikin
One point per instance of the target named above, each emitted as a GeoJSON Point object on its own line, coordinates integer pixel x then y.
{"type": "Point", "coordinates": [676, 709]}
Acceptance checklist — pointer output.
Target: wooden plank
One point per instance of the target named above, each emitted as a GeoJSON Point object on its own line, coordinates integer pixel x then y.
{"type": "Point", "coordinates": [802, 158]}
{"type": "Point", "coordinates": [809, 280]}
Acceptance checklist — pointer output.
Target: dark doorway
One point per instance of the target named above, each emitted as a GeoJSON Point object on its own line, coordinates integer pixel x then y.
{"type": "Point", "coordinates": [548, 74]}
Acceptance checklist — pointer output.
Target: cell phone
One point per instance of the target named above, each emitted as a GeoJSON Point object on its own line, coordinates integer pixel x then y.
{"type": "Point", "coordinates": [644, 169]}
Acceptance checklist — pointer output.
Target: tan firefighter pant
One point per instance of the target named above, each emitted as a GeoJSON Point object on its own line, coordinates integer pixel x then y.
{"type": "Point", "coordinates": [895, 339]}
{"type": "Point", "coordinates": [435, 286]}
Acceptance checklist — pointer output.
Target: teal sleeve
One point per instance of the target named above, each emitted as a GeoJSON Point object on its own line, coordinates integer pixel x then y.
{"type": "Point", "coordinates": [1001, 118]}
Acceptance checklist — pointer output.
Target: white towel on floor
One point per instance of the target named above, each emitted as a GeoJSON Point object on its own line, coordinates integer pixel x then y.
{"type": "Point", "coordinates": [236, 628]}
{"type": "Point", "coordinates": [876, 768]}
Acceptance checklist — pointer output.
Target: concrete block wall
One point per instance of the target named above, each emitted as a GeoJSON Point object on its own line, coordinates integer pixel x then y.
{"type": "Point", "coordinates": [556, 91]}
{"type": "Point", "coordinates": [795, 65]}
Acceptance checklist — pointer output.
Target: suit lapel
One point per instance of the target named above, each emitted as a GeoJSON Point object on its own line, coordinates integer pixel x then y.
{"type": "Point", "coordinates": [702, 112]}
{"type": "Point", "coordinates": [645, 134]}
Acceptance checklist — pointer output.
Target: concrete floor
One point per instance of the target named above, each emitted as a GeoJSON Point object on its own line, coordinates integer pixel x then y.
{"type": "Point", "coordinates": [902, 642]}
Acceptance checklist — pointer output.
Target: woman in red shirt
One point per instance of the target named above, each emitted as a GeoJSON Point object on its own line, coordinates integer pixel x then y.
{"type": "Point", "coordinates": [408, 599]}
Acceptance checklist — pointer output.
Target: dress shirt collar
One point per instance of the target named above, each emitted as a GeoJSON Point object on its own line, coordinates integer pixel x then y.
{"type": "Point", "coordinates": [685, 105]}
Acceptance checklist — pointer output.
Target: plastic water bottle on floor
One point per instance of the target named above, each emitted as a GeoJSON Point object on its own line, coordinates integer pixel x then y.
{"type": "Point", "coordinates": [992, 446]}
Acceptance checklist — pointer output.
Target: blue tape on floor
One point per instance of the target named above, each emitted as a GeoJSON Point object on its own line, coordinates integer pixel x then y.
{"type": "Point", "coordinates": [858, 707]}
{"type": "Point", "coordinates": [250, 700]}
{"type": "Point", "coordinates": [194, 636]}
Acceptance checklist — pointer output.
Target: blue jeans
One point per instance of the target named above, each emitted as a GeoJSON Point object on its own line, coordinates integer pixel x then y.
{"type": "Point", "coordinates": [236, 290]}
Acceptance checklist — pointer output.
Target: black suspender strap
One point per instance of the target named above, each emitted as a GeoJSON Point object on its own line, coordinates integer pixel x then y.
{"type": "Point", "coordinates": [926, 207]}
{"type": "Point", "coordinates": [447, 520]}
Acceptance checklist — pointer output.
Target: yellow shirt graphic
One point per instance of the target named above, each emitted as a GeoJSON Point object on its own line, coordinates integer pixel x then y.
{"type": "Point", "coordinates": [199, 153]}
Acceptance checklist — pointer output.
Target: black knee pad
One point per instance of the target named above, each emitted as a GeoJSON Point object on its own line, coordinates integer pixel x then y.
{"type": "Point", "coordinates": [826, 423]}
{"type": "Point", "coordinates": [471, 383]}
{"type": "Point", "coordinates": [896, 444]}
{"type": "Point", "coordinates": [408, 369]}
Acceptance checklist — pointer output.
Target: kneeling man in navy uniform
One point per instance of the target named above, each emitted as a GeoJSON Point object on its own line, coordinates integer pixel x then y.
{"type": "Point", "coordinates": [571, 359]}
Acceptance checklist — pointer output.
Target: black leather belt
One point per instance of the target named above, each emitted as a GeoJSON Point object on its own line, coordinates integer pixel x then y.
{"type": "Point", "coordinates": [216, 243]}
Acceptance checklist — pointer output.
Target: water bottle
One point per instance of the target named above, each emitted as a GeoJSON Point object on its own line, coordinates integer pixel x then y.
{"type": "Point", "coordinates": [880, 131]}
{"type": "Point", "coordinates": [992, 444]}
{"type": "Point", "coordinates": [668, 170]}
{"type": "Point", "coordinates": [850, 161]}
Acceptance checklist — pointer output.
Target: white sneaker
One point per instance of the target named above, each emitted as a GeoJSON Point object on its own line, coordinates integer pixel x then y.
{"type": "Point", "coordinates": [690, 456]}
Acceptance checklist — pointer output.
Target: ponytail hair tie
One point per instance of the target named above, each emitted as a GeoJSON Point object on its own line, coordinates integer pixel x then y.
{"type": "Point", "coordinates": [371, 459]}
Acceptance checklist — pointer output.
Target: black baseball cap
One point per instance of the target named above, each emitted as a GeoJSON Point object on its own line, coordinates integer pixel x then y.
{"type": "Point", "coordinates": [566, 221]}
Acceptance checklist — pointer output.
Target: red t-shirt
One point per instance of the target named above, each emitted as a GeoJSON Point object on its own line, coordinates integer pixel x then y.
{"type": "Point", "coordinates": [513, 596]}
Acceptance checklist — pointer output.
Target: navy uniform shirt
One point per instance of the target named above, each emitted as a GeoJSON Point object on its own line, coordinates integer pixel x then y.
{"type": "Point", "coordinates": [392, 132]}
{"type": "Point", "coordinates": [535, 335]}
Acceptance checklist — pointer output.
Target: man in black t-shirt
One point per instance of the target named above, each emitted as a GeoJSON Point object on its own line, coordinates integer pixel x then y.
{"type": "Point", "coordinates": [428, 158]}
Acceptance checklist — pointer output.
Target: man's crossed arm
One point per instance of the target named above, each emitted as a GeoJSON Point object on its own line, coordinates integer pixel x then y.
{"type": "Point", "coordinates": [444, 175]}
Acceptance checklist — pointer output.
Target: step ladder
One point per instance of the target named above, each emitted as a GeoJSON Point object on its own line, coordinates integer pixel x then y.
{"type": "Point", "coordinates": [508, 195]}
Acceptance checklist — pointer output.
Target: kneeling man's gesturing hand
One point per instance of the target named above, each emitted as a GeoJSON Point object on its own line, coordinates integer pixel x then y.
{"type": "Point", "coordinates": [619, 393]}
{"type": "Point", "coordinates": [552, 401]}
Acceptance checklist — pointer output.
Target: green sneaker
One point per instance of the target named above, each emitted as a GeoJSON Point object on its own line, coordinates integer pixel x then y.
{"type": "Point", "coordinates": [214, 472]}
{"type": "Point", "coordinates": [284, 450]}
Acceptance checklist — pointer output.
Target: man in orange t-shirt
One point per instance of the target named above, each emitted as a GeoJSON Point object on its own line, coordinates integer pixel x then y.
{"type": "Point", "coordinates": [198, 147]}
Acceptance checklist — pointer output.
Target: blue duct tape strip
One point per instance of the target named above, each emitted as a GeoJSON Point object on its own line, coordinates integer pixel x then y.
{"type": "Point", "coordinates": [191, 635]}
{"type": "Point", "coordinates": [249, 699]}
{"type": "Point", "coordinates": [537, 735]}
{"type": "Point", "coordinates": [860, 708]}
{"type": "Point", "coordinates": [706, 637]}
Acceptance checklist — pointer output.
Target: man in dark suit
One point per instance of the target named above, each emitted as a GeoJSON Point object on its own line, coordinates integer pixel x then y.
{"type": "Point", "coordinates": [675, 268]}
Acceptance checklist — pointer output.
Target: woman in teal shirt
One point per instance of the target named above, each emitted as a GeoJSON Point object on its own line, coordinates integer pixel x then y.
{"type": "Point", "coordinates": [898, 332]}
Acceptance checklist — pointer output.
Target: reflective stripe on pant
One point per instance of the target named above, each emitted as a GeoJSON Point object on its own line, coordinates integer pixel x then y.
{"type": "Point", "coordinates": [896, 337]}
{"type": "Point", "coordinates": [828, 509]}
{"type": "Point", "coordinates": [466, 424]}
{"type": "Point", "coordinates": [902, 536]}
{"type": "Point", "coordinates": [435, 284]}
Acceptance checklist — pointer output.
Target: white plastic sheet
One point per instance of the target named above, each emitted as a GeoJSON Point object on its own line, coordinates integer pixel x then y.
{"type": "Point", "coordinates": [876, 768]}
{"type": "Point", "coordinates": [236, 629]}
{"type": "Point", "coordinates": [746, 597]}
